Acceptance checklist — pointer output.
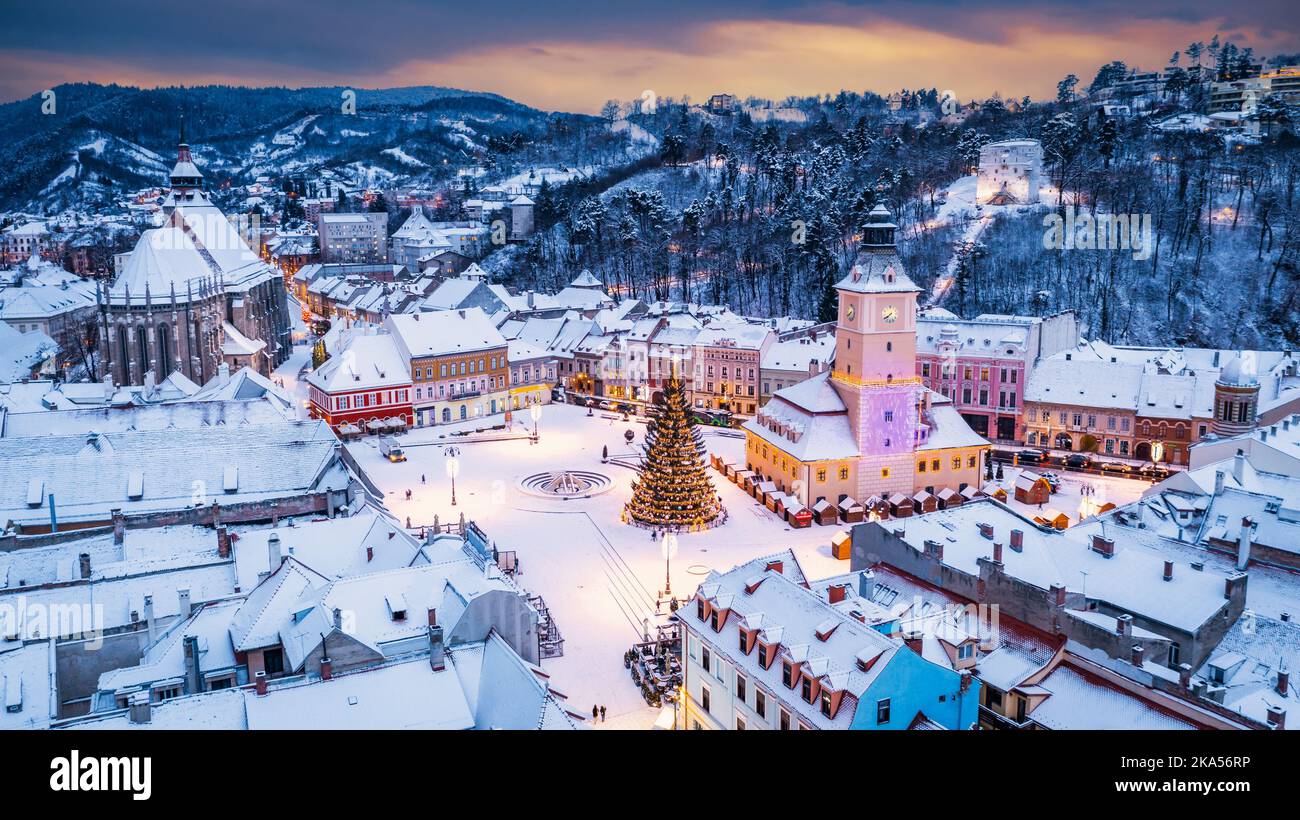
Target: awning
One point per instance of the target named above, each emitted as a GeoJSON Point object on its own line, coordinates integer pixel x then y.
{"type": "Point", "coordinates": [374, 425]}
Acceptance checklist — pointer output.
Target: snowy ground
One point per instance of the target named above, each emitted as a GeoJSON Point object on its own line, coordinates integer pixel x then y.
{"type": "Point", "coordinates": [599, 577]}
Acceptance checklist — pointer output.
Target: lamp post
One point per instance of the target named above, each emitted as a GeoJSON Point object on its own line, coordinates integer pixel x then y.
{"type": "Point", "coordinates": [453, 468]}
{"type": "Point", "coordinates": [536, 412]}
{"type": "Point", "coordinates": [670, 550]}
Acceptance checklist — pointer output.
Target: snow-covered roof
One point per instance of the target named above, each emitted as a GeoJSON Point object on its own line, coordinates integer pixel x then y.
{"type": "Point", "coordinates": [1078, 700]}
{"type": "Point", "coordinates": [364, 362]}
{"type": "Point", "coordinates": [442, 333]}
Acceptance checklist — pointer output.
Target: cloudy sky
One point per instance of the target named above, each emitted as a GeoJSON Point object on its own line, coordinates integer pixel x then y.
{"type": "Point", "coordinates": [574, 54]}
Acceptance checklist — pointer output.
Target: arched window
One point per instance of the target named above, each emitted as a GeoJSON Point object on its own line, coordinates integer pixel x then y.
{"type": "Point", "coordinates": [124, 354]}
{"type": "Point", "coordinates": [164, 351]}
{"type": "Point", "coordinates": [446, 414]}
{"type": "Point", "coordinates": [464, 413]}
{"type": "Point", "coordinates": [142, 349]}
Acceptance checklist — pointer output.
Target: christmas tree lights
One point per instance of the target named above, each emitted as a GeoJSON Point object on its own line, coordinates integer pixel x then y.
{"type": "Point", "coordinates": [673, 492]}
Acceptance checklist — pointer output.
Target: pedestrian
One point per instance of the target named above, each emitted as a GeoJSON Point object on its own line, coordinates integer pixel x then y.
{"type": "Point", "coordinates": [421, 478]}
{"type": "Point", "coordinates": [595, 711]}
{"type": "Point", "coordinates": [602, 714]}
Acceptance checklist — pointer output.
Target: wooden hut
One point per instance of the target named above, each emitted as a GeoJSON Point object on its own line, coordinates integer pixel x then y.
{"type": "Point", "coordinates": [841, 545]}
{"type": "Point", "coordinates": [970, 492]}
{"type": "Point", "coordinates": [745, 480]}
{"type": "Point", "coordinates": [994, 491]}
{"type": "Point", "coordinates": [901, 506]}
{"type": "Point", "coordinates": [796, 513]}
{"type": "Point", "coordinates": [716, 461]}
{"type": "Point", "coordinates": [948, 497]}
{"type": "Point", "coordinates": [1031, 488]}
{"type": "Point", "coordinates": [878, 507]}
{"type": "Point", "coordinates": [777, 503]}
{"type": "Point", "coordinates": [765, 493]}
{"type": "Point", "coordinates": [924, 502]}
{"type": "Point", "coordinates": [851, 512]}
{"type": "Point", "coordinates": [826, 513]}
{"type": "Point", "coordinates": [1052, 518]}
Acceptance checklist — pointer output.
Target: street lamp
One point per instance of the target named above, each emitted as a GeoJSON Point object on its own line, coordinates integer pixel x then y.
{"type": "Point", "coordinates": [536, 412]}
{"type": "Point", "coordinates": [670, 550]}
{"type": "Point", "coordinates": [453, 468]}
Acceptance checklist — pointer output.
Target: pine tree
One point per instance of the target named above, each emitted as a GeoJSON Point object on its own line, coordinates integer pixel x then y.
{"type": "Point", "coordinates": [673, 491]}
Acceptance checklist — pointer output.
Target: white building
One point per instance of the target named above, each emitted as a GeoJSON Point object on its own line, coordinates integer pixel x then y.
{"type": "Point", "coordinates": [1009, 172]}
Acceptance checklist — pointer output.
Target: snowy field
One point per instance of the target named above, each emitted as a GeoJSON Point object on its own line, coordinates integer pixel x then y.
{"type": "Point", "coordinates": [600, 578]}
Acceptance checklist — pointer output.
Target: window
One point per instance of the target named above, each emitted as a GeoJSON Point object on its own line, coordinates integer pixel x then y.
{"type": "Point", "coordinates": [762, 656]}
{"type": "Point", "coordinates": [844, 474]}
{"type": "Point", "coordinates": [882, 711]}
{"type": "Point", "coordinates": [826, 703]}
{"type": "Point", "coordinates": [740, 723]}
{"type": "Point", "coordinates": [713, 620]}
{"type": "Point", "coordinates": [956, 462]}
{"type": "Point", "coordinates": [787, 675]}
{"type": "Point", "coordinates": [965, 651]}
{"type": "Point", "coordinates": [699, 608]}
{"type": "Point", "coordinates": [884, 472]}
{"type": "Point", "coordinates": [760, 704]}
{"type": "Point", "coordinates": [934, 466]}
{"type": "Point", "coordinates": [740, 688]}
{"type": "Point", "coordinates": [273, 662]}
{"type": "Point", "coordinates": [920, 466]}
{"type": "Point", "coordinates": [704, 660]}
{"type": "Point", "coordinates": [889, 416]}
{"type": "Point", "coordinates": [704, 698]}
{"type": "Point", "coordinates": [807, 690]}
{"type": "Point", "coordinates": [970, 461]}
{"type": "Point", "coordinates": [785, 720]}
{"type": "Point", "coordinates": [744, 640]}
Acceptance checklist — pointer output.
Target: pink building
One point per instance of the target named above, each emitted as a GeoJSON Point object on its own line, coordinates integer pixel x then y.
{"type": "Point", "coordinates": [728, 360]}
{"type": "Point", "coordinates": [982, 364]}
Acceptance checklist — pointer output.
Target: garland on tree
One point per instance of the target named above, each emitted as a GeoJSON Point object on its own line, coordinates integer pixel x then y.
{"type": "Point", "coordinates": [673, 491]}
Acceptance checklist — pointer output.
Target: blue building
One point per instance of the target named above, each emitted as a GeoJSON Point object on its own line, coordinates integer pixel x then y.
{"type": "Point", "coordinates": [762, 649]}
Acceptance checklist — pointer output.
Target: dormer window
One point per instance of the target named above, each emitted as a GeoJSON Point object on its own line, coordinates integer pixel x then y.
{"type": "Point", "coordinates": [787, 674]}
{"type": "Point", "coordinates": [744, 643]}
{"type": "Point", "coordinates": [762, 656]}
{"type": "Point", "coordinates": [713, 620]}
{"type": "Point", "coordinates": [699, 608]}
{"type": "Point", "coordinates": [807, 690]}
{"type": "Point", "coordinates": [826, 703]}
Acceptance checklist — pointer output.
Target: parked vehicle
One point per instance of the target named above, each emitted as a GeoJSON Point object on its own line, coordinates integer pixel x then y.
{"type": "Point", "coordinates": [1078, 460]}
{"type": "Point", "coordinates": [391, 450]}
{"type": "Point", "coordinates": [1031, 456]}
{"type": "Point", "coordinates": [1117, 467]}
{"type": "Point", "coordinates": [1053, 480]}
{"type": "Point", "coordinates": [1155, 472]}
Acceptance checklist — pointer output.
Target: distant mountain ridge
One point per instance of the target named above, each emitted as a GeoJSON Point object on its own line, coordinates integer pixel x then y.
{"type": "Point", "coordinates": [102, 140]}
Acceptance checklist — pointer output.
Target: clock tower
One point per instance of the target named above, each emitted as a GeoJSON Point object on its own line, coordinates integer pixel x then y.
{"type": "Point", "coordinates": [875, 360]}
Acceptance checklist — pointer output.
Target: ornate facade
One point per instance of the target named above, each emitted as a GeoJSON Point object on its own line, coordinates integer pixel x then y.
{"type": "Point", "coordinates": [192, 295]}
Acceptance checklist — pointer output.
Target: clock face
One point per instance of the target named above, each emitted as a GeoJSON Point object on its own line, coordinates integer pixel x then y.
{"type": "Point", "coordinates": [889, 314]}
{"type": "Point", "coordinates": [849, 313]}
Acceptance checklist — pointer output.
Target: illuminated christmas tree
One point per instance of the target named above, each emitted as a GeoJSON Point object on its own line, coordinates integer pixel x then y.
{"type": "Point", "coordinates": [673, 492]}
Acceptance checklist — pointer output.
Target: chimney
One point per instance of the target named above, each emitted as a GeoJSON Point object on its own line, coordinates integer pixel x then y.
{"type": "Point", "coordinates": [1243, 544]}
{"type": "Point", "coordinates": [1218, 483]}
{"type": "Point", "coordinates": [191, 652]}
{"type": "Point", "coordinates": [836, 593]}
{"type": "Point", "coordinates": [148, 616]}
{"type": "Point", "coordinates": [1285, 617]}
{"type": "Point", "coordinates": [1232, 582]}
{"type": "Point", "coordinates": [223, 543]}
{"type": "Point", "coordinates": [1124, 625]}
{"type": "Point", "coordinates": [433, 617]}
{"type": "Point", "coordinates": [934, 549]}
{"type": "Point", "coordinates": [997, 552]}
{"type": "Point", "coordinates": [338, 619]}
{"type": "Point", "coordinates": [1103, 545]}
{"type": "Point", "coordinates": [259, 683]}
{"type": "Point", "coordinates": [776, 566]}
{"type": "Point", "coordinates": [436, 660]}
{"type": "Point", "coordinates": [273, 551]}
{"type": "Point", "coordinates": [183, 600]}
{"type": "Point", "coordinates": [119, 527]}
{"type": "Point", "coordinates": [1017, 540]}
{"type": "Point", "coordinates": [84, 560]}
{"type": "Point", "coordinates": [1185, 675]}
{"type": "Point", "coordinates": [326, 668]}
{"type": "Point", "coordinates": [1239, 466]}
{"type": "Point", "coordinates": [1138, 652]}
{"type": "Point", "coordinates": [370, 554]}
{"type": "Point", "coordinates": [139, 707]}
{"type": "Point", "coordinates": [1169, 570]}
{"type": "Point", "coordinates": [1283, 680]}
{"type": "Point", "coordinates": [965, 679]}
{"type": "Point", "coordinates": [1276, 717]}
{"type": "Point", "coordinates": [986, 530]}
{"type": "Point", "coordinates": [1058, 594]}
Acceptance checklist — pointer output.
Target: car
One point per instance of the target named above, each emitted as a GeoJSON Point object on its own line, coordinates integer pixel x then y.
{"type": "Point", "coordinates": [1116, 467]}
{"type": "Point", "coordinates": [1030, 456]}
{"type": "Point", "coordinates": [1155, 472]}
{"type": "Point", "coordinates": [1078, 460]}
{"type": "Point", "coordinates": [1053, 480]}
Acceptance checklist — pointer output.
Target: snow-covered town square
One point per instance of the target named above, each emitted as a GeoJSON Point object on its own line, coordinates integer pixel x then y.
{"type": "Point", "coordinates": [390, 380]}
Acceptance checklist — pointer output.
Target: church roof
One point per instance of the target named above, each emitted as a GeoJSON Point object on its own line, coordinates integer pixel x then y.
{"type": "Point", "coordinates": [878, 271]}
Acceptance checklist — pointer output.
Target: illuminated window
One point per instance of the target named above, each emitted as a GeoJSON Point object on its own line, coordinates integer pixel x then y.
{"type": "Point", "coordinates": [821, 475]}
{"type": "Point", "coordinates": [920, 466]}
{"type": "Point", "coordinates": [956, 462]}
{"type": "Point", "coordinates": [884, 472]}
{"type": "Point", "coordinates": [844, 474]}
